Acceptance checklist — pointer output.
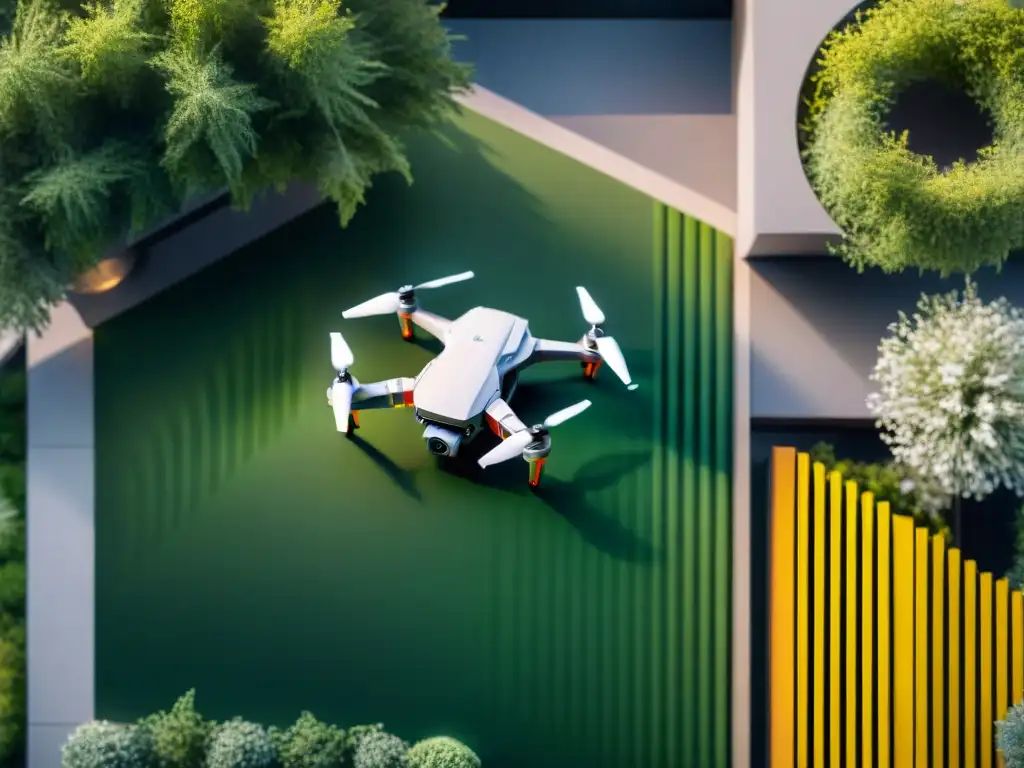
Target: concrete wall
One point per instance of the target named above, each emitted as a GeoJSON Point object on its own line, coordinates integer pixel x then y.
{"type": "Point", "coordinates": [816, 324]}
{"type": "Point", "coordinates": [658, 92]}
{"type": "Point", "coordinates": [776, 40]}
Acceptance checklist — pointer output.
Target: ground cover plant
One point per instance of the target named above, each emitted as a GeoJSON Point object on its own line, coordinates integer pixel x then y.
{"type": "Point", "coordinates": [115, 112]}
{"type": "Point", "coordinates": [12, 562]}
{"type": "Point", "coordinates": [183, 738]}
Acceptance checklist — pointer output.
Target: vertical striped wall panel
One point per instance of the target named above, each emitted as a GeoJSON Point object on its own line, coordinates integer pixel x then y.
{"type": "Point", "coordinates": [687, 722]}
{"type": "Point", "coordinates": [886, 648]}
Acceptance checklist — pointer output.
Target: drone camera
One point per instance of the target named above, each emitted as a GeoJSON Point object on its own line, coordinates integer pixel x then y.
{"type": "Point", "coordinates": [441, 441]}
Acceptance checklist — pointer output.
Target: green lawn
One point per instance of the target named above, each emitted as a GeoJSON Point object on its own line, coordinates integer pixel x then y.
{"type": "Point", "coordinates": [247, 549]}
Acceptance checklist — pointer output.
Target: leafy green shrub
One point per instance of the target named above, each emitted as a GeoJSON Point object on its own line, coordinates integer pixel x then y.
{"type": "Point", "coordinates": [895, 208]}
{"type": "Point", "coordinates": [887, 482]}
{"type": "Point", "coordinates": [114, 113]}
{"type": "Point", "coordinates": [12, 589]}
{"type": "Point", "coordinates": [311, 743]}
{"type": "Point", "coordinates": [12, 689]}
{"type": "Point", "coordinates": [240, 744]}
{"type": "Point", "coordinates": [179, 736]}
{"type": "Point", "coordinates": [442, 752]}
{"type": "Point", "coordinates": [380, 750]}
{"type": "Point", "coordinates": [12, 561]}
{"type": "Point", "coordinates": [103, 744]}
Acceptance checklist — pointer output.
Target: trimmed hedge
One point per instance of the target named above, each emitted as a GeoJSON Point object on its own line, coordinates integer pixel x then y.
{"type": "Point", "coordinates": [896, 208]}
{"type": "Point", "coordinates": [183, 738]}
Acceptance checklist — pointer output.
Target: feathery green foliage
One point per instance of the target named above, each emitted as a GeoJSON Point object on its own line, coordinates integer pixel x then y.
{"type": "Point", "coordinates": [73, 198]}
{"type": "Point", "coordinates": [179, 736]}
{"type": "Point", "coordinates": [210, 126]}
{"type": "Point", "coordinates": [115, 113]}
{"type": "Point", "coordinates": [36, 82]}
{"type": "Point", "coordinates": [896, 208]}
{"type": "Point", "coordinates": [108, 44]}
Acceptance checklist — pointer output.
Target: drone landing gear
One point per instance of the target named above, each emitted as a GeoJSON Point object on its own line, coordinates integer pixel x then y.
{"type": "Point", "coordinates": [405, 322]}
{"type": "Point", "coordinates": [536, 470]}
{"type": "Point", "coordinates": [353, 425]}
{"type": "Point", "coordinates": [590, 369]}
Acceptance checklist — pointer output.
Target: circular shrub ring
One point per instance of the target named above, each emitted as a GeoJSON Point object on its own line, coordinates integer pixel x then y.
{"type": "Point", "coordinates": [896, 208]}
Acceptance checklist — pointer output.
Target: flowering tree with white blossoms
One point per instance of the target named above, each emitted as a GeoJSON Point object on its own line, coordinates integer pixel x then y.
{"type": "Point", "coordinates": [951, 394]}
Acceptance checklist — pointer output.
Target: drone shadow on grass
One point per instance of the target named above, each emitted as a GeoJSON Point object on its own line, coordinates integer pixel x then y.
{"type": "Point", "coordinates": [567, 498]}
{"type": "Point", "coordinates": [402, 478]}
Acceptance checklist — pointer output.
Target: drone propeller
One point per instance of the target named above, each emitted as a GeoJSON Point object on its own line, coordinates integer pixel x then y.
{"type": "Point", "coordinates": [607, 346]}
{"type": "Point", "coordinates": [389, 303]}
{"type": "Point", "coordinates": [517, 442]}
{"type": "Point", "coordinates": [341, 389]}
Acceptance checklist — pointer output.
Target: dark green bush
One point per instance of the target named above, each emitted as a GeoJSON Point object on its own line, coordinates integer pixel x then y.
{"type": "Point", "coordinates": [887, 483]}
{"type": "Point", "coordinates": [12, 688]}
{"type": "Point", "coordinates": [179, 736]}
{"type": "Point", "coordinates": [115, 112]}
{"type": "Point", "coordinates": [12, 562]}
{"type": "Point", "coordinates": [311, 743]}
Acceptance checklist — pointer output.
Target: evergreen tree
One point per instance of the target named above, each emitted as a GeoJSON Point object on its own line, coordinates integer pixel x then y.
{"type": "Point", "coordinates": [113, 113]}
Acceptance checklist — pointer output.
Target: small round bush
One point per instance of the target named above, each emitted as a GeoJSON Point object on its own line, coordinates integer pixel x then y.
{"type": "Point", "coordinates": [179, 736]}
{"type": "Point", "coordinates": [442, 752]}
{"type": "Point", "coordinates": [379, 749]}
{"type": "Point", "coordinates": [104, 744]}
{"type": "Point", "coordinates": [239, 744]}
{"type": "Point", "coordinates": [310, 743]}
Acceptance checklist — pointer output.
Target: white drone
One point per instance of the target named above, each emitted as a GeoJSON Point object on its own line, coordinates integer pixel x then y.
{"type": "Point", "coordinates": [472, 379]}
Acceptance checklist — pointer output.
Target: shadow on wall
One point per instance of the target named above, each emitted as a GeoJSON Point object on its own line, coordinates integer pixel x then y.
{"type": "Point", "coordinates": [816, 324]}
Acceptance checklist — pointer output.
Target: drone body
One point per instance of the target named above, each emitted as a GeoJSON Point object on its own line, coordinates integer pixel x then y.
{"type": "Point", "coordinates": [468, 386]}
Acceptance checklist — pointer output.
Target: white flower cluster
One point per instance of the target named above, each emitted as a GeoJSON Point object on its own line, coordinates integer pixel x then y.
{"type": "Point", "coordinates": [951, 393]}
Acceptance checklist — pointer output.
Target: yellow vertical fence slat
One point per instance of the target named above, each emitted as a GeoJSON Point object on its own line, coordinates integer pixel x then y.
{"type": "Point", "coordinates": [1017, 611]}
{"type": "Point", "coordinates": [851, 623]}
{"type": "Point", "coordinates": [953, 680]}
{"type": "Point", "coordinates": [819, 615]}
{"type": "Point", "coordinates": [883, 583]}
{"type": "Point", "coordinates": [921, 647]}
{"type": "Point", "coordinates": [803, 659]}
{"type": "Point", "coordinates": [782, 618]}
{"type": "Point", "coordinates": [867, 669]}
{"type": "Point", "coordinates": [928, 656]}
{"type": "Point", "coordinates": [903, 640]}
{"type": "Point", "coordinates": [938, 651]}
{"type": "Point", "coordinates": [835, 584]}
{"type": "Point", "coordinates": [985, 668]}
{"type": "Point", "coordinates": [970, 664]}
{"type": "Point", "coordinates": [1002, 640]}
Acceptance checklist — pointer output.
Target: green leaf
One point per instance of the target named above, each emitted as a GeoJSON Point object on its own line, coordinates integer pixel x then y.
{"type": "Point", "coordinates": [211, 118]}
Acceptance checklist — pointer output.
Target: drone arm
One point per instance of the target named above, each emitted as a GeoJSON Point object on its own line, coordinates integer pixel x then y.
{"type": "Point", "coordinates": [435, 325]}
{"type": "Point", "coordinates": [502, 419]}
{"type": "Point", "coordinates": [393, 393]}
{"type": "Point", "coordinates": [546, 351]}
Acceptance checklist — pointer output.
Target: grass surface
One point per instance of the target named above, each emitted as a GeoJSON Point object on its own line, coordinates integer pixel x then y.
{"type": "Point", "coordinates": [248, 550]}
